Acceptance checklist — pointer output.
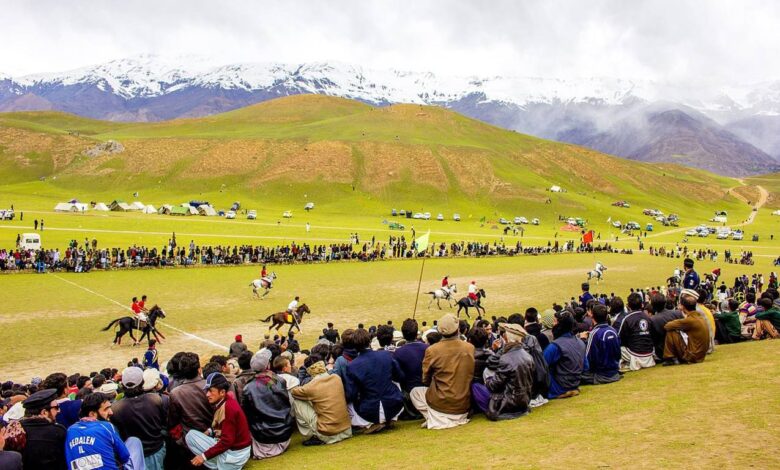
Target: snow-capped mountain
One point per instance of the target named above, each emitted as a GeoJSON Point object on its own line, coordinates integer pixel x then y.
{"type": "Point", "coordinates": [613, 115]}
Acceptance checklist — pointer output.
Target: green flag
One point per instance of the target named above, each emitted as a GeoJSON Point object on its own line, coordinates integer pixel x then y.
{"type": "Point", "coordinates": [422, 242]}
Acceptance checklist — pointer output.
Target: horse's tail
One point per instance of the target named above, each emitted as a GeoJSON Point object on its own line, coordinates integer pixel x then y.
{"type": "Point", "coordinates": [268, 318]}
{"type": "Point", "coordinates": [431, 293]}
{"type": "Point", "coordinates": [110, 325]}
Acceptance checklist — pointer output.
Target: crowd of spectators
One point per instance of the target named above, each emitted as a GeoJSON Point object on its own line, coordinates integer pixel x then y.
{"type": "Point", "coordinates": [248, 404]}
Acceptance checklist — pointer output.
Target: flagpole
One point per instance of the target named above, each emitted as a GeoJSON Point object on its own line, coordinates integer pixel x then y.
{"type": "Point", "coordinates": [419, 283]}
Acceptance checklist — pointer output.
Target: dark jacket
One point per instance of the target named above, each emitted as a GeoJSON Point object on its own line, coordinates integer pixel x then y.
{"type": "Point", "coordinates": [603, 351]}
{"type": "Point", "coordinates": [267, 407]}
{"type": "Point", "coordinates": [512, 385]}
{"type": "Point", "coordinates": [535, 329]}
{"type": "Point", "coordinates": [481, 357]}
{"type": "Point", "coordinates": [236, 349]}
{"type": "Point", "coordinates": [189, 407]}
{"type": "Point", "coordinates": [634, 333]}
{"type": "Point", "coordinates": [238, 385]}
{"type": "Point", "coordinates": [409, 358]}
{"type": "Point", "coordinates": [45, 448]}
{"type": "Point", "coordinates": [10, 460]}
{"type": "Point", "coordinates": [566, 359]}
{"type": "Point", "coordinates": [541, 371]}
{"type": "Point", "coordinates": [657, 331]}
{"type": "Point", "coordinates": [370, 381]}
{"type": "Point", "coordinates": [144, 417]}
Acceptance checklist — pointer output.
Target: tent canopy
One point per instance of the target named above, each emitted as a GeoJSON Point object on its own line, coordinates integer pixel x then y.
{"type": "Point", "coordinates": [100, 207]}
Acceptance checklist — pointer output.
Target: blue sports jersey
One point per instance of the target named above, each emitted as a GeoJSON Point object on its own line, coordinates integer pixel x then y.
{"type": "Point", "coordinates": [94, 445]}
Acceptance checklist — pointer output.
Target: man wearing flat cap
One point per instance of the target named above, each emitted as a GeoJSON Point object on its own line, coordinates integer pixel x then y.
{"type": "Point", "coordinates": [448, 367]}
{"type": "Point", "coordinates": [45, 448]}
{"type": "Point", "coordinates": [687, 340]}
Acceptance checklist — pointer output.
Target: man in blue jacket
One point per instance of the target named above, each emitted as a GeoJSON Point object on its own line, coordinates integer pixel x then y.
{"type": "Point", "coordinates": [602, 351]}
{"type": "Point", "coordinates": [566, 358]}
{"type": "Point", "coordinates": [93, 442]}
{"type": "Point", "coordinates": [691, 278]}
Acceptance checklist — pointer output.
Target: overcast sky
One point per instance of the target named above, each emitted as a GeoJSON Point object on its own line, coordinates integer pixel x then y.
{"type": "Point", "coordinates": [676, 41]}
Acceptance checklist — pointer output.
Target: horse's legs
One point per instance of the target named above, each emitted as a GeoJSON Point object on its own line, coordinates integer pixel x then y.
{"type": "Point", "coordinates": [437, 303]}
{"type": "Point", "coordinates": [135, 341]}
{"type": "Point", "coordinates": [431, 301]}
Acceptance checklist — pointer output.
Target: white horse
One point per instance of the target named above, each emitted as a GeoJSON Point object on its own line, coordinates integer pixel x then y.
{"type": "Point", "coordinates": [598, 272]}
{"type": "Point", "coordinates": [443, 293]}
{"type": "Point", "coordinates": [265, 283]}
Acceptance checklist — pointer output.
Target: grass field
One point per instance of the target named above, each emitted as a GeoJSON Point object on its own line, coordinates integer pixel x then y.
{"type": "Point", "coordinates": [357, 163]}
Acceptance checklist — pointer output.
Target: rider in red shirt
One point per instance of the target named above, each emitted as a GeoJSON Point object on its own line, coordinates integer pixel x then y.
{"type": "Point", "coordinates": [445, 282]}
{"type": "Point", "coordinates": [263, 273]}
{"type": "Point", "coordinates": [142, 304]}
{"type": "Point", "coordinates": [136, 307]}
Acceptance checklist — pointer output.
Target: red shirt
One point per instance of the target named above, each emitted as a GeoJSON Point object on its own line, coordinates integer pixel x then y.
{"type": "Point", "coordinates": [445, 282]}
{"type": "Point", "coordinates": [136, 309]}
{"type": "Point", "coordinates": [141, 304]}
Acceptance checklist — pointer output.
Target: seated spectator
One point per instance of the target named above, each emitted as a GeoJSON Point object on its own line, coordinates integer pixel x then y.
{"type": "Point", "coordinates": [728, 327]}
{"type": "Point", "coordinates": [662, 315]}
{"type": "Point", "coordinates": [636, 343]}
{"type": "Point", "coordinates": [508, 386]}
{"type": "Point", "coordinates": [374, 400]}
{"type": "Point", "coordinates": [409, 358]}
{"type": "Point", "coordinates": [9, 459]}
{"type": "Point", "coordinates": [687, 340]}
{"type": "Point", "coordinates": [602, 351]}
{"type": "Point", "coordinates": [533, 327]}
{"type": "Point", "coordinates": [237, 347]}
{"type": "Point", "coordinates": [142, 415]}
{"type": "Point", "coordinates": [768, 321]}
{"type": "Point", "coordinates": [321, 407]}
{"type": "Point", "coordinates": [93, 442]}
{"type": "Point", "coordinates": [42, 439]}
{"type": "Point", "coordinates": [244, 376]}
{"type": "Point", "coordinates": [478, 337]}
{"type": "Point", "coordinates": [227, 445]}
{"type": "Point", "coordinates": [448, 369]}
{"type": "Point", "coordinates": [565, 357]}
{"type": "Point", "coordinates": [266, 404]}
{"type": "Point", "coordinates": [189, 407]}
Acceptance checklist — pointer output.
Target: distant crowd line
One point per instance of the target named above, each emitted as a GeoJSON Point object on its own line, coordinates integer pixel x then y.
{"type": "Point", "coordinates": [87, 256]}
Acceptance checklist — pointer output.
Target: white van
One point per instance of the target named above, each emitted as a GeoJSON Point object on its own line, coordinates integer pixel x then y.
{"type": "Point", "coordinates": [30, 241]}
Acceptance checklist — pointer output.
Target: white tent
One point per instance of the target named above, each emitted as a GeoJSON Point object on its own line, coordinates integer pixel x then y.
{"type": "Point", "coordinates": [191, 210]}
{"type": "Point", "coordinates": [63, 207]}
{"type": "Point", "coordinates": [204, 209]}
{"type": "Point", "coordinates": [555, 189]}
{"type": "Point", "coordinates": [137, 206]}
{"type": "Point", "coordinates": [101, 207]}
{"type": "Point", "coordinates": [80, 207]}
{"type": "Point", "coordinates": [164, 209]}
{"type": "Point", "coordinates": [149, 209]}
{"type": "Point", "coordinates": [777, 212]}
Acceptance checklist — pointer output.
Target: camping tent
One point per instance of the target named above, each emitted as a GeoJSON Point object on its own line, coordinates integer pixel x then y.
{"type": "Point", "coordinates": [137, 206]}
{"type": "Point", "coordinates": [100, 207]}
{"type": "Point", "coordinates": [120, 206]}
{"type": "Point", "coordinates": [149, 209]}
{"type": "Point", "coordinates": [555, 189]}
{"type": "Point", "coordinates": [63, 207]}
{"type": "Point", "coordinates": [80, 207]}
{"type": "Point", "coordinates": [177, 210]}
{"type": "Point", "coordinates": [204, 209]}
{"type": "Point", "coordinates": [191, 210]}
{"type": "Point", "coordinates": [164, 209]}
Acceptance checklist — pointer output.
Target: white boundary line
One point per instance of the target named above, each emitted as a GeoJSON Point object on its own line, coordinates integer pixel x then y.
{"type": "Point", "coordinates": [168, 325]}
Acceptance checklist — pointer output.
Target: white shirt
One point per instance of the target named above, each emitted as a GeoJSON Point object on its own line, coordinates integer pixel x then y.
{"type": "Point", "coordinates": [472, 288]}
{"type": "Point", "coordinates": [293, 305]}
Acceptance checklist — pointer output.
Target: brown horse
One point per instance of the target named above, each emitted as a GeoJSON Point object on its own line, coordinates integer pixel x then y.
{"type": "Point", "coordinates": [280, 319]}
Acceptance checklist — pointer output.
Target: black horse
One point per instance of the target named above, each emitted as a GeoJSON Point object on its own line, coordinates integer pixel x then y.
{"type": "Point", "coordinates": [465, 303]}
{"type": "Point", "coordinates": [128, 324]}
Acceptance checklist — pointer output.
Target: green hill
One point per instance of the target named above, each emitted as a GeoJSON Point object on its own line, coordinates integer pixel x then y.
{"type": "Point", "coordinates": [350, 155]}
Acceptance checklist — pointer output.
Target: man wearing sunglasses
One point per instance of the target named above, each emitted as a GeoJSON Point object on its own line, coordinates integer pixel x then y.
{"type": "Point", "coordinates": [45, 447]}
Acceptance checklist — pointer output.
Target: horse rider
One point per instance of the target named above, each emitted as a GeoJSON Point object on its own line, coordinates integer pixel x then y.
{"type": "Point", "coordinates": [138, 312]}
{"type": "Point", "coordinates": [473, 289]}
{"type": "Point", "coordinates": [142, 304]}
{"type": "Point", "coordinates": [263, 273]}
{"type": "Point", "coordinates": [292, 309]}
{"type": "Point", "coordinates": [445, 284]}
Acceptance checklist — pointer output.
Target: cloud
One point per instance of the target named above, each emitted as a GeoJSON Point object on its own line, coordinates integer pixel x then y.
{"type": "Point", "coordinates": [677, 41]}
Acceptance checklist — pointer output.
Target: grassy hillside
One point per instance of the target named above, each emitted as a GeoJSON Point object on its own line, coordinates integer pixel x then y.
{"type": "Point", "coordinates": [349, 156]}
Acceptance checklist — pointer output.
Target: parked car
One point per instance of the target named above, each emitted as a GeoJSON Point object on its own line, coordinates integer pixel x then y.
{"type": "Point", "coordinates": [427, 216]}
{"type": "Point", "coordinates": [523, 220]}
{"type": "Point", "coordinates": [616, 224]}
{"type": "Point", "coordinates": [251, 215]}
{"type": "Point", "coordinates": [633, 226]}
{"type": "Point", "coordinates": [7, 214]}
{"type": "Point", "coordinates": [394, 213]}
{"type": "Point", "coordinates": [704, 233]}
{"type": "Point", "coordinates": [396, 226]}
{"type": "Point", "coordinates": [440, 217]}
{"type": "Point", "coordinates": [30, 241]}
{"type": "Point", "coordinates": [737, 236]}
{"type": "Point", "coordinates": [418, 215]}
{"type": "Point", "coordinates": [236, 206]}
{"type": "Point", "coordinates": [691, 232]}
{"type": "Point", "coordinates": [535, 221]}
{"type": "Point", "coordinates": [309, 206]}
{"type": "Point", "coordinates": [649, 227]}
{"type": "Point", "coordinates": [287, 214]}
{"type": "Point", "coordinates": [230, 215]}
{"type": "Point", "coordinates": [723, 235]}
{"type": "Point", "coordinates": [456, 217]}
{"type": "Point", "coordinates": [503, 221]}
{"type": "Point", "coordinates": [516, 220]}
{"type": "Point", "coordinates": [402, 213]}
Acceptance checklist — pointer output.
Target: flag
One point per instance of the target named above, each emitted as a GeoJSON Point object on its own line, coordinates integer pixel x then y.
{"type": "Point", "coordinates": [421, 244]}
{"type": "Point", "coordinates": [483, 219]}
{"type": "Point", "coordinates": [609, 219]}
{"type": "Point", "coordinates": [588, 237]}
